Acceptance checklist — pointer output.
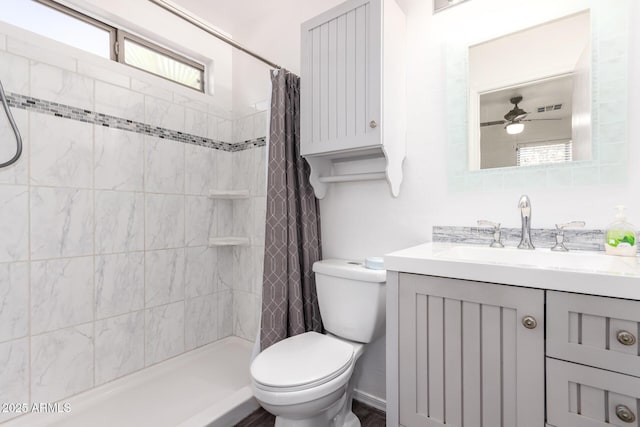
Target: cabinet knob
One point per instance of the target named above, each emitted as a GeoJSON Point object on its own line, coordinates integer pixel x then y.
{"type": "Point", "coordinates": [626, 338]}
{"type": "Point", "coordinates": [373, 124]}
{"type": "Point", "coordinates": [625, 414]}
{"type": "Point", "coordinates": [529, 322]}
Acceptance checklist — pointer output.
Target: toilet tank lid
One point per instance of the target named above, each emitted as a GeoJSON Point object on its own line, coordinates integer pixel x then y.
{"type": "Point", "coordinates": [353, 270]}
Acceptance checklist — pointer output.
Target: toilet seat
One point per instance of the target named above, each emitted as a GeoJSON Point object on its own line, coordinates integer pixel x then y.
{"type": "Point", "coordinates": [301, 362]}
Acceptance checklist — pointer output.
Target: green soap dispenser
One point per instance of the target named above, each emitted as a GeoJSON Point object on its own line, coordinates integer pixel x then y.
{"type": "Point", "coordinates": [620, 237]}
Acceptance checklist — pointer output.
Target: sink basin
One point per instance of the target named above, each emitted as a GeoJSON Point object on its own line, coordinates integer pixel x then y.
{"type": "Point", "coordinates": [543, 259]}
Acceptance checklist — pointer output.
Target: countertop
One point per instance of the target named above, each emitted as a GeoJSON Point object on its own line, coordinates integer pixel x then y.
{"type": "Point", "coordinates": [583, 272]}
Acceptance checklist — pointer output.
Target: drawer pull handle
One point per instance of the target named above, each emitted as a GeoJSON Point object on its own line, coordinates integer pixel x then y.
{"type": "Point", "coordinates": [625, 414]}
{"type": "Point", "coordinates": [373, 124]}
{"type": "Point", "coordinates": [626, 338]}
{"type": "Point", "coordinates": [529, 322]}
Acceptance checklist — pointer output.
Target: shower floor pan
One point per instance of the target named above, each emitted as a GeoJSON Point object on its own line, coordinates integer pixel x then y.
{"type": "Point", "coordinates": [209, 386]}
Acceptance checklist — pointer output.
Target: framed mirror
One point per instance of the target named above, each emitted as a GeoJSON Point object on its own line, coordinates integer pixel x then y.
{"type": "Point", "coordinates": [541, 104]}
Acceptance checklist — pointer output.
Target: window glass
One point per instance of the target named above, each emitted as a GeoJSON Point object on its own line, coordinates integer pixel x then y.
{"type": "Point", "coordinates": [153, 61]}
{"type": "Point", "coordinates": [52, 23]}
{"type": "Point", "coordinates": [539, 154]}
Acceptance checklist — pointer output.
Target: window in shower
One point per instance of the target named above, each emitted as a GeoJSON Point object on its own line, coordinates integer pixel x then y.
{"type": "Point", "coordinates": [55, 21]}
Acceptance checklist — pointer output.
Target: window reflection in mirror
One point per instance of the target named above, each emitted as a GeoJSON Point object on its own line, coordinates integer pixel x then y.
{"type": "Point", "coordinates": [530, 96]}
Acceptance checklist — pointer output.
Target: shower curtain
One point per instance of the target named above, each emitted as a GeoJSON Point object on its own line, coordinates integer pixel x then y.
{"type": "Point", "coordinates": [292, 234]}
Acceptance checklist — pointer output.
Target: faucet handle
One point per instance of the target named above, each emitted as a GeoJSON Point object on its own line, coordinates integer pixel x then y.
{"type": "Point", "coordinates": [559, 246]}
{"type": "Point", "coordinates": [496, 232]}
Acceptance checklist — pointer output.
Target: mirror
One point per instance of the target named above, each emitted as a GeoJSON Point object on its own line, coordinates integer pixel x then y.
{"type": "Point", "coordinates": [537, 97]}
{"type": "Point", "coordinates": [530, 96]}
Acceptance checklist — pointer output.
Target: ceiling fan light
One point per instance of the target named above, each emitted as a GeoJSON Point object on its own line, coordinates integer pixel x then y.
{"type": "Point", "coordinates": [514, 128]}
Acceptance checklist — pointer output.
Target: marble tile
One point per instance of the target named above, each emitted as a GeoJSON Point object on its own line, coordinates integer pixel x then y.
{"type": "Point", "coordinates": [159, 112]}
{"type": "Point", "coordinates": [164, 332]}
{"type": "Point", "coordinates": [61, 222]}
{"type": "Point", "coordinates": [258, 269]}
{"type": "Point", "coordinates": [243, 269]}
{"type": "Point", "coordinates": [164, 222]}
{"type": "Point", "coordinates": [119, 346]}
{"type": "Point", "coordinates": [259, 184]}
{"type": "Point", "coordinates": [120, 102]}
{"type": "Point", "coordinates": [14, 375]}
{"type": "Point", "coordinates": [14, 73]}
{"type": "Point", "coordinates": [200, 169]}
{"type": "Point", "coordinates": [195, 122]}
{"type": "Point", "coordinates": [164, 165]}
{"type": "Point", "coordinates": [17, 173]}
{"type": "Point", "coordinates": [61, 86]}
{"type": "Point", "coordinates": [243, 129]}
{"type": "Point", "coordinates": [224, 168]}
{"type": "Point", "coordinates": [61, 293]}
{"type": "Point", "coordinates": [225, 217]}
{"type": "Point", "coordinates": [119, 159]}
{"type": "Point", "coordinates": [96, 71]}
{"type": "Point", "coordinates": [242, 217]}
{"type": "Point", "coordinates": [119, 221]}
{"type": "Point", "coordinates": [200, 220]}
{"type": "Point", "coordinates": [200, 271]}
{"type": "Point", "coordinates": [201, 321]}
{"type": "Point", "coordinates": [259, 219]}
{"type": "Point", "coordinates": [61, 151]}
{"type": "Point", "coordinates": [192, 101]}
{"type": "Point", "coordinates": [225, 130]}
{"type": "Point", "coordinates": [246, 312]}
{"type": "Point", "coordinates": [243, 170]}
{"type": "Point", "coordinates": [119, 281]}
{"type": "Point", "coordinates": [14, 301]}
{"type": "Point", "coordinates": [14, 223]}
{"type": "Point", "coordinates": [225, 314]}
{"type": "Point", "coordinates": [260, 124]}
{"type": "Point", "coordinates": [212, 127]}
{"type": "Point", "coordinates": [164, 276]}
{"type": "Point", "coordinates": [224, 271]}
{"type": "Point", "coordinates": [38, 52]}
{"type": "Point", "coordinates": [151, 89]}
{"type": "Point", "coordinates": [61, 363]}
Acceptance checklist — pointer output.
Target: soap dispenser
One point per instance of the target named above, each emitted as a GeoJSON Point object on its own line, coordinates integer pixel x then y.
{"type": "Point", "coordinates": [620, 236]}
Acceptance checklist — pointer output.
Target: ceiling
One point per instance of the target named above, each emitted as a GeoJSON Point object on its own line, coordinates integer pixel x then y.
{"type": "Point", "coordinates": [269, 28]}
{"type": "Point", "coordinates": [494, 105]}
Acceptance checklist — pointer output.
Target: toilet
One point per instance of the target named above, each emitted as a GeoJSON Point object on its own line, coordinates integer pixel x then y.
{"type": "Point", "coordinates": [306, 380]}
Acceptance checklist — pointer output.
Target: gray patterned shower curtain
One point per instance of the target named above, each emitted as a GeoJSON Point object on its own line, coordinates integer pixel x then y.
{"type": "Point", "coordinates": [292, 237]}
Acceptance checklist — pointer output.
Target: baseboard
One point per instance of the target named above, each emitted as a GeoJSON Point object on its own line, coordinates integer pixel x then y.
{"type": "Point", "coordinates": [370, 400]}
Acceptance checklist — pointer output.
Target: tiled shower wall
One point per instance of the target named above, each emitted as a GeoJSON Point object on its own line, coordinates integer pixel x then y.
{"type": "Point", "coordinates": [104, 260]}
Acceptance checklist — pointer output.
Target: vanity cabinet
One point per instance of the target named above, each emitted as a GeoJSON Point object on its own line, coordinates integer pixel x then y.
{"type": "Point", "coordinates": [470, 353]}
{"type": "Point", "coordinates": [597, 382]}
{"type": "Point", "coordinates": [353, 92]}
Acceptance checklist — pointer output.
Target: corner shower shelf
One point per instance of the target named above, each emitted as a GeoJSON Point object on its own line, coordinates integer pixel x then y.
{"type": "Point", "coordinates": [229, 241]}
{"type": "Point", "coordinates": [229, 194]}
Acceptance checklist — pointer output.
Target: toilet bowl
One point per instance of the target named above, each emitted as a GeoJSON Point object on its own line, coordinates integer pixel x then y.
{"type": "Point", "coordinates": [306, 380]}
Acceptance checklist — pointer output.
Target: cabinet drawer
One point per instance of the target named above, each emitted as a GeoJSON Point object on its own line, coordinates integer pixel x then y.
{"type": "Point", "coordinates": [595, 331]}
{"type": "Point", "coordinates": [581, 396]}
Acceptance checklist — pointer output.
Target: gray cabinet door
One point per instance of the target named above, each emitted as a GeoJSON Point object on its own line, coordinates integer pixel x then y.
{"type": "Point", "coordinates": [466, 357]}
{"type": "Point", "coordinates": [582, 396]}
{"type": "Point", "coordinates": [341, 78]}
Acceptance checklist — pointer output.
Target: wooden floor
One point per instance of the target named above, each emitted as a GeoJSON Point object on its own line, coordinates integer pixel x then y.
{"type": "Point", "coordinates": [369, 417]}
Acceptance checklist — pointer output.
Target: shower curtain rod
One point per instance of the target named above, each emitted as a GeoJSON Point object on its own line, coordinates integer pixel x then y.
{"type": "Point", "coordinates": [172, 8]}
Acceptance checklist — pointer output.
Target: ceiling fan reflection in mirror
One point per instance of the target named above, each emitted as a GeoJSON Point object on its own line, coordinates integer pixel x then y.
{"type": "Point", "coordinates": [513, 120]}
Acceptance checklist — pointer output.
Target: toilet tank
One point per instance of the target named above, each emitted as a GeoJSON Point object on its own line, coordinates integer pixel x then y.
{"type": "Point", "coordinates": [352, 299]}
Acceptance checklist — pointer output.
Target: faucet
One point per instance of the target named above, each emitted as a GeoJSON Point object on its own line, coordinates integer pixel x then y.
{"type": "Point", "coordinates": [525, 213]}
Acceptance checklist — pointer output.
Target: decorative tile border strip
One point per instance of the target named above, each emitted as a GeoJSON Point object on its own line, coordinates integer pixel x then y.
{"type": "Point", "coordinates": [74, 113]}
{"type": "Point", "coordinates": [581, 239]}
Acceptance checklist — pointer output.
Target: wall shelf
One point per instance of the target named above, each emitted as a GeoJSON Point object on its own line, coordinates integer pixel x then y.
{"type": "Point", "coordinates": [229, 194]}
{"type": "Point", "coordinates": [229, 241]}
